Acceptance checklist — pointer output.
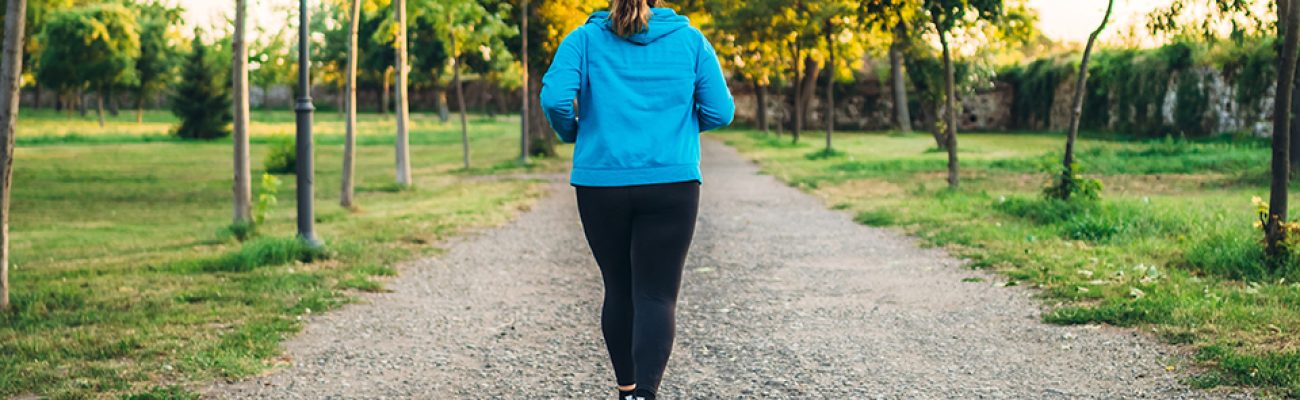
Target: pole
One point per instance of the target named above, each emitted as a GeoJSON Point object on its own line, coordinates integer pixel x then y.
{"type": "Point", "coordinates": [523, 114]}
{"type": "Point", "coordinates": [304, 109]}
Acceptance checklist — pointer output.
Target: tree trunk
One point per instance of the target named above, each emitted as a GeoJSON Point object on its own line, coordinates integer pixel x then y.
{"type": "Point", "coordinates": [81, 101]}
{"type": "Point", "coordinates": [112, 102]}
{"type": "Point", "coordinates": [139, 109]}
{"type": "Point", "coordinates": [830, 86]}
{"type": "Point", "coordinates": [760, 95]}
{"type": "Point", "coordinates": [243, 187]}
{"type": "Point", "coordinates": [443, 112]}
{"type": "Point", "coordinates": [797, 88]}
{"type": "Point", "coordinates": [950, 88]}
{"type": "Point", "coordinates": [1076, 108]}
{"type": "Point", "coordinates": [811, 70]}
{"type": "Point", "coordinates": [383, 94]}
{"type": "Point", "coordinates": [403, 150]}
{"type": "Point", "coordinates": [785, 113]}
{"type": "Point", "coordinates": [350, 105]}
{"type": "Point", "coordinates": [1289, 21]}
{"type": "Point", "coordinates": [460, 98]}
{"type": "Point", "coordinates": [11, 68]}
{"type": "Point", "coordinates": [897, 77]}
{"type": "Point", "coordinates": [541, 140]}
{"type": "Point", "coordinates": [99, 106]}
{"type": "Point", "coordinates": [523, 113]}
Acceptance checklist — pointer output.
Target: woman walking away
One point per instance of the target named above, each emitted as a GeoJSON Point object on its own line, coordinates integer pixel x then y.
{"type": "Point", "coordinates": [646, 85]}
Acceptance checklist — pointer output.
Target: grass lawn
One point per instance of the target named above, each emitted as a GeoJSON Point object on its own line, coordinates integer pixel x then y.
{"type": "Point", "coordinates": [123, 281]}
{"type": "Point", "coordinates": [1170, 249]}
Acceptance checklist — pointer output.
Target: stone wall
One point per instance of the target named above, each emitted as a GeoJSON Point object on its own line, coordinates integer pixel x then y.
{"type": "Point", "coordinates": [868, 105]}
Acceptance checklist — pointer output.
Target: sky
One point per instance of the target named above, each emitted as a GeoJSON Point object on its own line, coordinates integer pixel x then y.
{"type": "Point", "coordinates": [1073, 20]}
{"type": "Point", "coordinates": [1064, 20]}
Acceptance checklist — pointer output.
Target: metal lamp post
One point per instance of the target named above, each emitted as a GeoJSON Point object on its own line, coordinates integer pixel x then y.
{"type": "Point", "coordinates": [303, 108]}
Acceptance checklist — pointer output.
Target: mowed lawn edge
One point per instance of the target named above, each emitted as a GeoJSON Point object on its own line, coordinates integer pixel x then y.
{"type": "Point", "coordinates": [1169, 250]}
{"type": "Point", "coordinates": [127, 283]}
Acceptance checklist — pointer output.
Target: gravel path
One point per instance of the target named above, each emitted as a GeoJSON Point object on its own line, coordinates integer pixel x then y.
{"type": "Point", "coordinates": [782, 299]}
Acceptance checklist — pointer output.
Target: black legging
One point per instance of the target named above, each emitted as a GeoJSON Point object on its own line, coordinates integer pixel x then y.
{"type": "Point", "coordinates": [640, 236]}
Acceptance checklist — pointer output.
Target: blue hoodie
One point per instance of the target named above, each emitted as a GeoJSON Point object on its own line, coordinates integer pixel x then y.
{"type": "Point", "coordinates": [643, 100]}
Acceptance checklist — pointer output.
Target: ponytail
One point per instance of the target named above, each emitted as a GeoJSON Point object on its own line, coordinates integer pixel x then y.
{"type": "Point", "coordinates": [629, 17]}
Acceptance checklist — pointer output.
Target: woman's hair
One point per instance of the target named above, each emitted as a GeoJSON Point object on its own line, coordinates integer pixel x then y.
{"type": "Point", "coordinates": [629, 17]}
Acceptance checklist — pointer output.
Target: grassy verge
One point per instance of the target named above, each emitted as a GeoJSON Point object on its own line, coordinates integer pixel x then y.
{"type": "Point", "coordinates": [1169, 250]}
{"type": "Point", "coordinates": [124, 280]}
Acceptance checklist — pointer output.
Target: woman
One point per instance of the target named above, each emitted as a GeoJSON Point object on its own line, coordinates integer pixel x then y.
{"type": "Point", "coordinates": [646, 84]}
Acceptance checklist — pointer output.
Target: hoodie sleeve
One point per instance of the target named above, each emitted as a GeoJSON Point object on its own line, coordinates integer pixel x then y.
{"type": "Point", "coordinates": [560, 86]}
{"type": "Point", "coordinates": [713, 103]}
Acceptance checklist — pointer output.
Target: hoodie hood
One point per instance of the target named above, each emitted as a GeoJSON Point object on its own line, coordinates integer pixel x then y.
{"type": "Point", "coordinates": [663, 22]}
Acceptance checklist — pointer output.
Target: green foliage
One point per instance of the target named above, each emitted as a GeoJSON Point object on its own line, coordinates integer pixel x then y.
{"type": "Point", "coordinates": [1191, 106]}
{"type": "Point", "coordinates": [1035, 88]}
{"type": "Point", "coordinates": [202, 100]}
{"type": "Point", "coordinates": [1127, 87]}
{"type": "Point", "coordinates": [155, 67]}
{"type": "Point", "coordinates": [94, 47]}
{"type": "Point", "coordinates": [1251, 66]}
{"type": "Point", "coordinates": [283, 158]}
{"type": "Point", "coordinates": [266, 198]}
{"type": "Point", "coordinates": [1070, 185]}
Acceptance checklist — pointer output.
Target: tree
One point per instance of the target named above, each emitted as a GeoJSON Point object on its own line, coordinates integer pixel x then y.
{"type": "Point", "coordinates": [91, 47]}
{"type": "Point", "coordinates": [523, 113]}
{"type": "Point", "coordinates": [754, 56]}
{"type": "Point", "coordinates": [37, 13]}
{"type": "Point", "coordinates": [243, 187]}
{"type": "Point", "coordinates": [403, 148]}
{"type": "Point", "coordinates": [1289, 29]}
{"type": "Point", "coordinates": [202, 99]}
{"type": "Point", "coordinates": [898, 17]}
{"type": "Point", "coordinates": [550, 21]}
{"type": "Point", "coordinates": [11, 70]}
{"type": "Point", "coordinates": [156, 66]}
{"type": "Point", "coordinates": [468, 24]}
{"type": "Point", "coordinates": [271, 62]}
{"type": "Point", "coordinates": [350, 119]}
{"type": "Point", "coordinates": [1067, 181]}
{"type": "Point", "coordinates": [946, 15]}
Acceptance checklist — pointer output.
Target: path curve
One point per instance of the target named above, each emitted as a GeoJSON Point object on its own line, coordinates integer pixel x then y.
{"type": "Point", "coordinates": [782, 298]}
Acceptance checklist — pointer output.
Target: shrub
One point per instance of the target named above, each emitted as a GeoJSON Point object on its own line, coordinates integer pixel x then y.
{"type": "Point", "coordinates": [283, 158]}
{"type": "Point", "coordinates": [266, 197]}
{"type": "Point", "coordinates": [1069, 185]}
{"type": "Point", "coordinates": [201, 99]}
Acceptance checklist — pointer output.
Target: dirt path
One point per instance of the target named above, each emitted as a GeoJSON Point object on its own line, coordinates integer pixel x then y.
{"type": "Point", "coordinates": [782, 299]}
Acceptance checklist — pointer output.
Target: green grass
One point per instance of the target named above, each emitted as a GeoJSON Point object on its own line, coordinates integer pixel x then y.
{"type": "Point", "coordinates": [1170, 249]}
{"type": "Point", "coordinates": [125, 280]}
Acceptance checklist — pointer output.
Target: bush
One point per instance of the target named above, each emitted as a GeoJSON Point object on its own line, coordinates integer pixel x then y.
{"type": "Point", "coordinates": [1069, 185]}
{"type": "Point", "coordinates": [201, 99]}
{"type": "Point", "coordinates": [283, 158]}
